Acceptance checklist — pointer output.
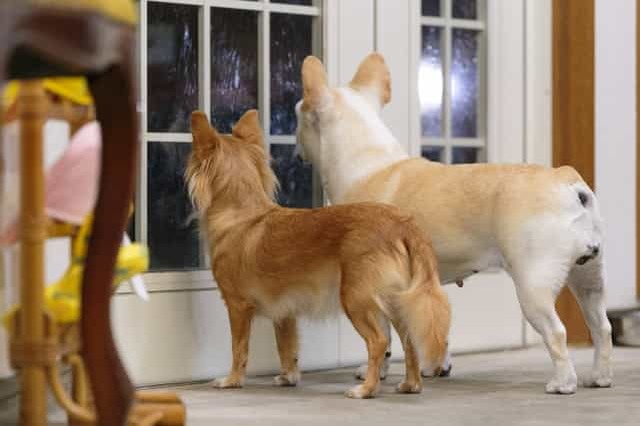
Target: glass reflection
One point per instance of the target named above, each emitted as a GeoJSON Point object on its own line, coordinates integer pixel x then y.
{"type": "Point", "coordinates": [430, 82]}
{"type": "Point", "coordinates": [291, 42]}
{"type": "Point", "coordinates": [464, 83]}
{"type": "Point", "coordinates": [234, 65]}
{"type": "Point", "coordinates": [172, 66]}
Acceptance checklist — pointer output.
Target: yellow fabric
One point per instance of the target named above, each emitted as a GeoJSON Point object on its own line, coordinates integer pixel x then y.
{"type": "Point", "coordinates": [62, 298]}
{"type": "Point", "coordinates": [118, 10]}
{"type": "Point", "coordinates": [75, 89]}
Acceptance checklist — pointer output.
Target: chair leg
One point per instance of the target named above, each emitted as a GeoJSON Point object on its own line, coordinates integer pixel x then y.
{"type": "Point", "coordinates": [112, 389]}
{"type": "Point", "coordinates": [32, 111]}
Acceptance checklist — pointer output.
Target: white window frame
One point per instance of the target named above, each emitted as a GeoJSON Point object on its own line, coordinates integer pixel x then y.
{"type": "Point", "coordinates": [447, 23]}
{"type": "Point", "coordinates": [201, 279]}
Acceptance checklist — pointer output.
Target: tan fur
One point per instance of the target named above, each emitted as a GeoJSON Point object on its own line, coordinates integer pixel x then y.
{"type": "Point", "coordinates": [314, 81]}
{"type": "Point", "coordinates": [462, 207]}
{"type": "Point", "coordinates": [283, 263]}
{"type": "Point", "coordinates": [373, 72]}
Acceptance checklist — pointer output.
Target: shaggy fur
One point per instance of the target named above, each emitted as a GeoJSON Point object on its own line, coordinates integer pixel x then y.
{"type": "Point", "coordinates": [541, 225]}
{"type": "Point", "coordinates": [367, 258]}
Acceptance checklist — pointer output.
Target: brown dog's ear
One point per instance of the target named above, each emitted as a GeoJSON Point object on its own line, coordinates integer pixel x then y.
{"type": "Point", "coordinates": [314, 83]}
{"type": "Point", "coordinates": [203, 134]}
{"type": "Point", "coordinates": [248, 127]}
{"type": "Point", "coordinates": [373, 79]}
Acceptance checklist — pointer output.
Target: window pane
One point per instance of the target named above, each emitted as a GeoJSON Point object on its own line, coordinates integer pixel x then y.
{"type": "Point", "coordinates": [430, 82]}
{"type": "Point", "coordinates": [234, 65]}
{"type": "Point", "coordinates": [172, 236]}
{"type": "Point", "coordinates": [298, 2]}
{"type": "Point", "coordinates": [291, 41]}
{"type": "Point", "coordinates": [465, 9]}
{"type": "Point", "coordinates": [461, 155]}
{"type": "Point", "coordinates": [172, 66]}
{"type": "Point", "coordinates": [295, 177]}
{"type": "Point", "coordinates": [433, 153]}
{"type": "Point", "coordinates": [430, 7]}
{"type": "Point", "coordinates": [464, 83]}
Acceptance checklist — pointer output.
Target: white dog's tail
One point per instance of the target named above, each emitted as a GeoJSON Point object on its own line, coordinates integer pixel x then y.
{"type": "Point", "coordinates": [583, 214]}
{"type": "Point", "coordinates": [424, 305]}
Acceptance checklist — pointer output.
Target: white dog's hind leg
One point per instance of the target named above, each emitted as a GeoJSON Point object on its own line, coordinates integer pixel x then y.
{"type": "Point", "coordinates": [587, 284]}
{"type": "Point", "coordinates": [538, 307]}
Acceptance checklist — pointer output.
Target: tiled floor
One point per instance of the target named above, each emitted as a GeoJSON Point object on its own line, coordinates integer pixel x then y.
{"type": "Point", "coordinates": [500, 388]}
{"type": "Point", "coordinates": [484, 389]}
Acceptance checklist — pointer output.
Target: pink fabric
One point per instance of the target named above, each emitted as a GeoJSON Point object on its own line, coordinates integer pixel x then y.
{"type": "Point", "coordinates": [72, 181]}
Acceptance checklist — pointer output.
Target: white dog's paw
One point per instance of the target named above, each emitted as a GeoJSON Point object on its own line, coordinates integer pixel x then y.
{"type": "Point", "coordinates": [562, 388]}
{"type": "Point", "coordinates": [290, 379]}
{"type": "Point", "coordinates": [405, 387]}
{"type": "Point", "coordinates": [599, 379]}
{"type": "Point", "coordinates": [564, 382]}
{"type": "Point", "coordinates": [360, 392]}
{"type": "Point", "coordinates": [226, 383]}
{"type": "Point", "coordinates": [361, 372]}
{"type": "Point", "coordinates": [444, 371]}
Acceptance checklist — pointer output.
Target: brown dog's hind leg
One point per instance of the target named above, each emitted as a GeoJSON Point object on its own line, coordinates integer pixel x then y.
{"type": "Point", "coordinates": [240, 318]}
{"type": "Point", "coordinates": [412, 381]}
{"type": "Point", "coordinates": [287, 340]}
{"type": "Point", "coordinates": [365, 315]}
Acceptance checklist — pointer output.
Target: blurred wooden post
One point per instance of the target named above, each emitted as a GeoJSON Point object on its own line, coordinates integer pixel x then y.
{"type": "Point", "coordinates": [32, 112]}
{"type": "Point", "coordinates": [574, 116]}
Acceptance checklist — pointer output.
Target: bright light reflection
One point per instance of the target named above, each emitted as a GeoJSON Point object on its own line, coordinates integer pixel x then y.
{"type": "Point", "coordinates": [430, 85]}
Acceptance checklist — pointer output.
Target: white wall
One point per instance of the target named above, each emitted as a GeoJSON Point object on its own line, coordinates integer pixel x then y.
{"type": "Point", "coordinates": [615, 140]}
{"type": "Point", "coordinates": [396, 27]}
{"type": "Point", "coordinates": [538, 82]}
{"type": "Point", "coordinates": [506, 75]}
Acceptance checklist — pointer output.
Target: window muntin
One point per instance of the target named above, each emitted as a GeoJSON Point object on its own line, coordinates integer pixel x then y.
{"type": "Point", "coordinates": [222, 57]}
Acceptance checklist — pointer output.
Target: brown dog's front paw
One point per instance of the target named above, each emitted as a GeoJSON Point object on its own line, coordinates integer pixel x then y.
{"type": "Point", "coordinates": [226, 383]}
{"type": "Point", "coordinates": [406, 387]}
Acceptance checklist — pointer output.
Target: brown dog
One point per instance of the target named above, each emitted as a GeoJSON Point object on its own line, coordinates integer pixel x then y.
{"type": "Point", "coordinates": [284, 263]}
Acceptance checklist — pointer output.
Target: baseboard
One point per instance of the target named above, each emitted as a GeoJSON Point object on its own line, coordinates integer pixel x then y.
{"type": "Point", "coordinates": [8, 387]}
{"type": "Point", "coordinates": [626, 326]}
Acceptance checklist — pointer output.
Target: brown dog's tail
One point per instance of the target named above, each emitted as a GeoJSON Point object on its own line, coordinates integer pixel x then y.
{"type": "Point", "coordinates": [424, 305]}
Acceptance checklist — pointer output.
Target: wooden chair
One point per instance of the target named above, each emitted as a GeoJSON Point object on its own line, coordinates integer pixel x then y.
{"type": "Point", "coordinates": [42, 38]}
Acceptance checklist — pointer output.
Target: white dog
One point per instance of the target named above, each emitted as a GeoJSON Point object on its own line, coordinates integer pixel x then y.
{"type": "Point", "coordinates": [541, 225]}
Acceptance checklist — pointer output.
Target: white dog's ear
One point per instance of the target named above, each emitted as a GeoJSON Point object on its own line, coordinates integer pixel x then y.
{"type": "Point", "coordinates": [316, 92]}
{"type": "Point", "coordinates": [373, 80]}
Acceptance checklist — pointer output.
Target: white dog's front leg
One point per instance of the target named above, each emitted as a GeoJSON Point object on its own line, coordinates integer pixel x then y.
{"type": "Point", "coordinates": [443, 370]}
{"type": "Point", "coordinates": [587, 284]}
{"type": "Point", "coordinates": [538, 307]}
